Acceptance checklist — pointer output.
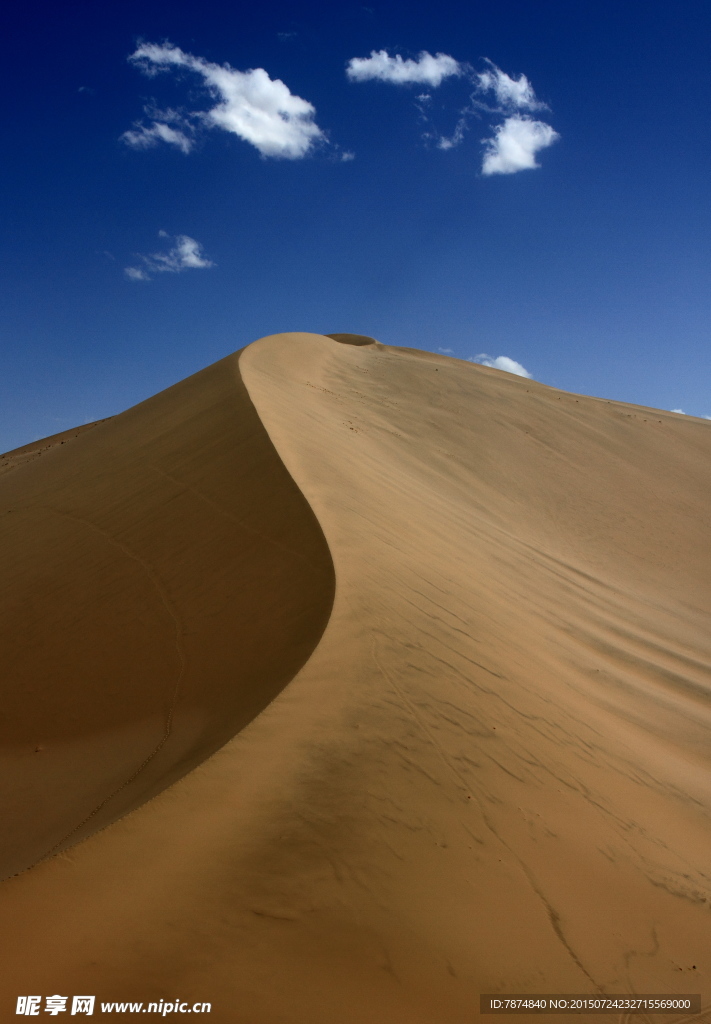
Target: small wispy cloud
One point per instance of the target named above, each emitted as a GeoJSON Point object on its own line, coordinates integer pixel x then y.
{"type": "Point", "coordinates": [446, 351]}
{"type": "Point", "coordinates": [501, 363]}
{"type": "Point", "coordinates": [515, 144]}
{"type": "Point", "coordinates": [682, 413]}
{"type": "Point", "coordinates": [136, 274]}
{"type": "Point", "coordinates": [184, 254]}
{"type": "Point", "coordinates": [258, 109]}
{"type": "Point", "coordinates": [426, 70]}
{"type": "Point", "coordinates": [457, 136]}
{"type": "Point", "coordinates": [145, 136]}
{"type": "Point", "coordinates": [510, 92]}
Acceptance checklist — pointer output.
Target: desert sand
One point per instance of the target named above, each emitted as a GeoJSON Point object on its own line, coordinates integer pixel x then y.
{"type": "Point", "coordinates": [344, 683]}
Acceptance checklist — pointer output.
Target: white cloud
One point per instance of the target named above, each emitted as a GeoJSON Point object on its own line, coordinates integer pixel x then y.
{"type": "Point", "coordinates": [185, 254]}
{"type": "Point", "coordinates": [449, 142]}
{"type": "Point", "coordinates": [260, 110]}
{"type": "Point", "coordinates": [501, 363]}
{"type": "Point", "coordinates": [380, 66]}
{"type": "Point", "coordinates": [510, 92]}
{"type": "Point", "coordinates": [144, 137]}
{"type": "Point", "coordinates": [682, 413]}
{"type": "Point", "coordinates": [447, 351]}
{"type": "Point", "coordinates": [515, 145]}
{"type": "Point", "coordinates": [136, 274]}
{"type": "Point", "coordinates": [515, 141]}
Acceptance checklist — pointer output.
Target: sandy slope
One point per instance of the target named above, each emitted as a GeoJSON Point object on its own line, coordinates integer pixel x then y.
{"type": "Point", "coordinates": [492, 774]}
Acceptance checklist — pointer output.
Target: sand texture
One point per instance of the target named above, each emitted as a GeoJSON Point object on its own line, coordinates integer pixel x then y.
{"type": "Point", "coordinates": [401, 666]}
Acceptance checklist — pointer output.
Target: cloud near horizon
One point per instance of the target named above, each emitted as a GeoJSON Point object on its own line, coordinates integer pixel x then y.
{"type": "Point", "coordinates": [682, 413]}
{"type": "Point", "coordinates": [381, 67]}
{"type": "Point", "coordinates": [260, 110]}
{"type": "Point", "coordinates": [185, 254]}
{"type": "Point", "coordinates": [501, 363]}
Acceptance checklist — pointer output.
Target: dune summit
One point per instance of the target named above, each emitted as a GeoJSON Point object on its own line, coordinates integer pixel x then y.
{"type": "Point", "coordinates": [346, 683]}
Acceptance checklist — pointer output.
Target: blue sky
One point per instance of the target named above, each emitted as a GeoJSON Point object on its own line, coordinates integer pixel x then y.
{"type": "Point", "coordinates": [163, 209]}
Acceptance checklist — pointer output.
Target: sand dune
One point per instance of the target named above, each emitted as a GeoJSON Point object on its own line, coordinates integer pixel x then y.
{"type": "Point", "coordinates": [481, 764]}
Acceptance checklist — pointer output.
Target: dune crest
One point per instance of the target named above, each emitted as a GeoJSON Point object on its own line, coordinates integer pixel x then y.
{"type": "Point", "coordinates": [353, 339]}
{"type": "Point", "coordinates": [491, 774]}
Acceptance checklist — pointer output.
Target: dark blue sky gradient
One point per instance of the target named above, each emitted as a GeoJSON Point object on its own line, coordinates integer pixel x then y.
{"type": "Point", "coordinates": [592, 271]}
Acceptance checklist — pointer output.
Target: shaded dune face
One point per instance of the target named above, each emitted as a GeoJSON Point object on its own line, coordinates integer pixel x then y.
{"type": "Point", "coordinates": [36, 449]}
{"type": "Point", "coordinates": [163, 578]}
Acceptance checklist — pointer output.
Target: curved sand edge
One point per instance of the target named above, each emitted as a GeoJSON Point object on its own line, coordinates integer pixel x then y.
{"type": "Point", "coordinates": [523, 604]}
